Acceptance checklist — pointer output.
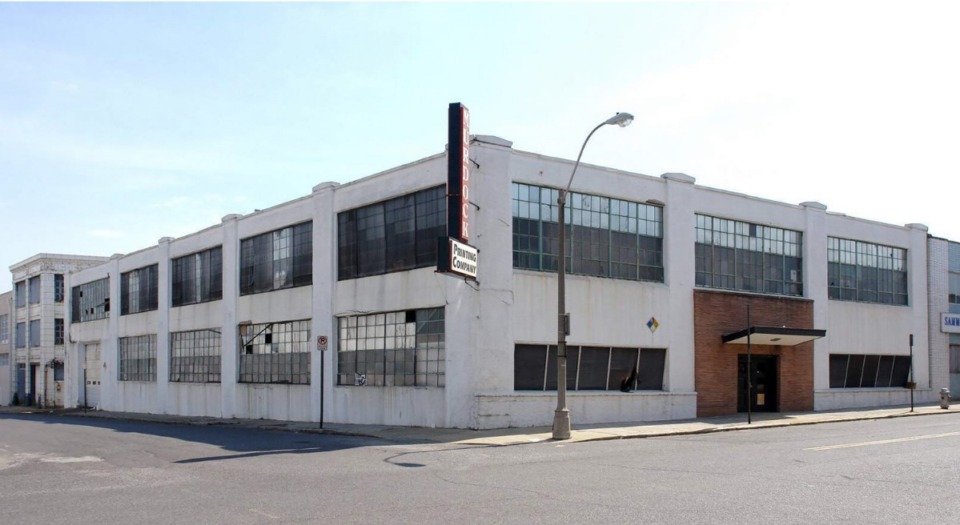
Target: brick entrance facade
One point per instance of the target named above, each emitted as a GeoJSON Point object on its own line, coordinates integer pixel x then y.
{"type": "Point", "coordinates": [717, 313]}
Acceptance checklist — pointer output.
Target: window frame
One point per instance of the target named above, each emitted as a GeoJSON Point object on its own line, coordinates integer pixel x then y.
{"type": "Point", "coordinates": [394, 235]}
{"type": "Point", "coordinates": [137, 358]}
{"type": "Point", "coordinates": [277, 259]}
{"type": "Point", "coordinates": [866, 272]}
{"type": "Point", "coordinates": [200, 273]}
{"type": "Point", "coordinates": [139, 290]}
{"type": "Point", "coordinates": [263, 348]}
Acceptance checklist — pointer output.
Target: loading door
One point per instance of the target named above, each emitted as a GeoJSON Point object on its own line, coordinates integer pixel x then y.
{"type": "Point", "coordinates": [91, 376]}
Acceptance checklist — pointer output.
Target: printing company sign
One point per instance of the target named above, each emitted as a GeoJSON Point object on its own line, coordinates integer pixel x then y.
{"type": "Point", "coordinates": [950, 323]}
{"type": "Point", "coordinates": [458, 172]}
{"type": "Point", "coordinates": [462, 259]}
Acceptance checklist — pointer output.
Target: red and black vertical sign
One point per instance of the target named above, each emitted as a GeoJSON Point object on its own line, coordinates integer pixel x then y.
{"type": "Point", "coordinates": [458, 172]}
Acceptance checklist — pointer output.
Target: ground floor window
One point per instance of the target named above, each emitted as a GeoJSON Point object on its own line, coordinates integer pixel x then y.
{"type": "Point", "coordinates": [138, 358]}
{"type": "Point", "coordinates": [195, 356]}
{"type": "Point", "coordinates": [275, 353]}
{"type": "Point", "coordinates": [589, 368]}
{"type": "Point", "coordinates": [404, 348]}
{"type": "Point", "coordinates": [869, 371]}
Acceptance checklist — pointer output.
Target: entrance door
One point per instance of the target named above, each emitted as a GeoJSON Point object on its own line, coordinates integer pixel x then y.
{"type": "Point", "coordinates": [764, 372]}
{"type": "Point", "coordinates": [22, 383]}
{"type": "Point", "coordinates": [91, 376]}
{"type": "Point", "coordinates": [32, 385]}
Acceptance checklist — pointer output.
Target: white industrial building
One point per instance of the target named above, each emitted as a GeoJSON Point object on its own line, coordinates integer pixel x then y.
{"type": "Point", "coordinates": [37, 322]}
{"type": "Point", "coordinates": [230, 321]}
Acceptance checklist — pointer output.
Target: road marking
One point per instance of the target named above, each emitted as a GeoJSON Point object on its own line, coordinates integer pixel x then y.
{"type": "Point", "coordinates": [260, 512]}
{"type": "Point", "coordinates": [884, 441]}
{"type": "Point", "coordinates": [82, 459]}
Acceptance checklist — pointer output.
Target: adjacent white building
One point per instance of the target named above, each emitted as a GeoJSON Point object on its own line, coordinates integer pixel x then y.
{"type": "Point", "coordinates": [37, 323]}
{"type": "Point", "coordinates": [6, 371]}
{"type": "Point", "coordinates": [330, 306]}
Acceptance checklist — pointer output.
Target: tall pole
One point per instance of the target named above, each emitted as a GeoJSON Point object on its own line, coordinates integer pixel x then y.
{"type": "Point", "coordinates": [749, 373]}
{"type": "Point", "coordinates": [912, 386]}
{"type": "Point", "coordinates": [561, 417]}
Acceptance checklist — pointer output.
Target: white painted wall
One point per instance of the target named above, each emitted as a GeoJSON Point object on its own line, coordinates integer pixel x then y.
{"type": "Point", "coordinates": [484, 320]}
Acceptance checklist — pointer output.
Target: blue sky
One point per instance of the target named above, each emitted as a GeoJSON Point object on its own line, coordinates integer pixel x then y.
{"type": "Point", "coordinates": [124, 123]}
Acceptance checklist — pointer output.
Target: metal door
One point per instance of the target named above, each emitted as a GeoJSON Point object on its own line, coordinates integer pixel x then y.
{"type": "Point", "coordinates": [91, 376]}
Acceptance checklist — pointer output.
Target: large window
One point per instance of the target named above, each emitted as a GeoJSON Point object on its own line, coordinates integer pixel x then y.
{"type": "Point", "coordinates": [398, 234]}
{"type": "Point", "coordinates": [275, 260]}
{"type": "Point", "coordinates": [866, 272]}
{"type": "Point", "coordinates": [4, 328]}
{"type": "Point", "coordinates": [195, 356]}
{"type": "Point", "coordinates": [138, 358]}
{"type": "Point", "coordinates": [20, 294]}
{"type": "Point", "coordinates": [58, 288]}
{"type": "Point", "coordinates": [35, 332]}
{"type": "Point", "coordinates": [90, 301]}
{"type": "Point", "coordinates": [138, 290]}
{"type": "Point", "coordinates": [275, 353]}
{"type": "Point", "coordinates": [20, 335]}
{"type": "Point", "coordinates": [735, 255]}
{"type": "Point", "coordinates": [589, 368]}
{"type": "Point", "coordinates": [34, 289]}
{"type": "Point", "coordinates": [198, 277]}
{"type": "Point", "coordinates": [606, 237]}
{"type": "Point", "coordinates": [58, 331]}
{"type": "Point", "coordinates": [392, 349]}
{"type": "Point", "coordinates": [869, 371]}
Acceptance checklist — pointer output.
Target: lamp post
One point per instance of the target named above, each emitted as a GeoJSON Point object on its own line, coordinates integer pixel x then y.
{"type": "Point", "coordinates": [561, 417]}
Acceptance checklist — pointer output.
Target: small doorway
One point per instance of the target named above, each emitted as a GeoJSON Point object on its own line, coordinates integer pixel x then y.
{"type": "Point", "coordinates": [764, 371]}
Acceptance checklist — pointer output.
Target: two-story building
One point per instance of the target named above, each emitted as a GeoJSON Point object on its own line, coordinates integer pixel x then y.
{"type": "Point", "coordinates": [330, 306]}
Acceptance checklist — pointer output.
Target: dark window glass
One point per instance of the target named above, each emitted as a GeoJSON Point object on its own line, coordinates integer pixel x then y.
{"type": "Point", "coordinates": [394, 235]}
{"type": "Point", "coordinates": [275, 260]}
{"type": "Point", "coordinates": [838, 370]}
{"type": "Point", "coordinates": [20, 335]}
{"type": "Point", "coordinates": [90, 301]}
{"type": "Point", "coordinates": [901, 371]}
{"type": "Point", "coordinates": [884, 371]}
{"type": "Point", "coordinates": [590, 368]}
{"type": "Point", "coordinates": [58, 371]}
{"type": "Point", "coordinates": [529, 363]}
{"type": "Point", "coordinates": [854, 371]}
{"type": "Point", "coordinates": [138, 290]}
{"type": "Point", "coordinates": [652, 364]}
{"type": "Point", "coordinates": [197, 278]}
{"type": "Point", "coordinates": [623, 369]}
{"type": "Point", "coordinates": [58, 331]}
{"type": "Point", "coordinates": [594, 363]}
{"type": "Point", "coordinates": [58, 288]}
{"type": "Point", "coordinates": [870, 365]}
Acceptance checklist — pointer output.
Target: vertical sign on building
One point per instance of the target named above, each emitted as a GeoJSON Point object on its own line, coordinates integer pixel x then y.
{"type": "Point", "coordinates": [458, 172]}
{"type": "Point", "coordinates": [455, 255]}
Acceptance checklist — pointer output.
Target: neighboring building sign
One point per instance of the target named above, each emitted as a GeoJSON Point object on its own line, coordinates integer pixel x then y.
{"type": "Point", "coordinates": [459, 258]}
{"type": "Point", "coordinates": [950, 323]}
{"type": "Point", "coordinates": [458, 172]}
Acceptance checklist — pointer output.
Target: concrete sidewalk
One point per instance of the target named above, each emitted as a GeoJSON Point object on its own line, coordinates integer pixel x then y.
{"type": "Point", "coordinates": [518, 436]}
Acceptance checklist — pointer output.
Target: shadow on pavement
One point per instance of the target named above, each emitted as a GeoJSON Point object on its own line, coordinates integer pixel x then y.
{"type": "Point", "coordinates": [242, 441]}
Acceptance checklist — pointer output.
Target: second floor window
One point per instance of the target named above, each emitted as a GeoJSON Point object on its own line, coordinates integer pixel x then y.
{"type": "Point", "coordinates": [197, 277]}
{"type": "Point", "coordinates": [275, 260]}
{"type": "Point", "coordinates": [138, 290]}
{"type": "Point", "coordinates": [735, 255]}
{"type": "Point", "coordinates": [605, 237]}
{"type": "Point", "coordinates": [866, 272]}
{"type": "Point", "coordinates": [91, 301]}
{"type": "Point", "coordinates": [390, 236]}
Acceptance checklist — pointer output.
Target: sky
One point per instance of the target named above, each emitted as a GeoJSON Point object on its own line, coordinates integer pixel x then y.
{"type": "Point", "coordinates": [124, 123]}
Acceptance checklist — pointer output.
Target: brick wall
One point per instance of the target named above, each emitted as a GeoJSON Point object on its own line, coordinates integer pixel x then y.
{"type": "Point", "coordinates": [717, 313]}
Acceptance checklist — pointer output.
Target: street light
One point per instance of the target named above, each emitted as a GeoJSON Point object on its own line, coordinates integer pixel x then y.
{"type": "Point", "coordinates": [561, 417]}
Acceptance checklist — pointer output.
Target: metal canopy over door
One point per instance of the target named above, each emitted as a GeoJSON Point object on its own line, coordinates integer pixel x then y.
{"type": "Point", "coordinates": [764, 371]}
{"type": "Point", "coordinates": [91, 376]}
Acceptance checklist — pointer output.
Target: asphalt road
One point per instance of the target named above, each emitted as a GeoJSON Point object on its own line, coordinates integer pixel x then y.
{"type": "Point", "coordinates": [61, 469]}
